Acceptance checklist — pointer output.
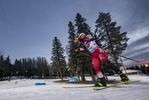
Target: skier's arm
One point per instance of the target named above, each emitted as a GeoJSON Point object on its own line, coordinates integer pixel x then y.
{"type": "Point", "coordinates": [81, 46]}
{"type": "Point", "coordinates": [86, 39]}
{"type": "Point", "coordinates": [83, 40]}
{"type": "Point", "coordinates": [80, 49]}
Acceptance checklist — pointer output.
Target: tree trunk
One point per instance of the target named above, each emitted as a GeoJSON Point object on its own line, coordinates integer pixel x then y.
{"type": "Point", "coordinates": [71, 74]}
{"type": "Point", "coordinates": [123, 65]}
{"type": "Point", "coordinates": [42, 69]}
{"type": "Point", "coordinates": [61, 74]}
{"type": "Point", "coordinates": [57, 74]}
{"type": "Point", "coordinates": [82, 76]}
{"type": "Point", "coordinates": [50, 75]}
{"type": "Point", "coordinates": [111, 45]}
{"type": "Point", "coordinates": [92, 73]}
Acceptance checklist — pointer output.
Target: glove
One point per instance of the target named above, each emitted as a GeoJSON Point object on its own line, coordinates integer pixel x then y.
{"type": "Point", "coordinates": [76, 40]}
{"type": "Point", "coordinates": [76, 50]}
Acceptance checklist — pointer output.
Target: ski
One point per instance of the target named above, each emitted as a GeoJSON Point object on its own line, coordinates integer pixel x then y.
{"type": "Point", "coordinates": [83, 87]}
{"type": "Point", "coordinates": [115, 85]}
{"type": "Point", "coordinates": [103, 87]}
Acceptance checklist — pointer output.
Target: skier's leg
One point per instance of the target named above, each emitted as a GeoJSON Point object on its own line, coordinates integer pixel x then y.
{"type": "Point", "coordinates": [105, 60]}
{"type": "Point", "coordinates": [113, 67]}
{"type": "Point", "coordinates": [118, 71]}
{"type": "Point", "coordinates": [96, 64]}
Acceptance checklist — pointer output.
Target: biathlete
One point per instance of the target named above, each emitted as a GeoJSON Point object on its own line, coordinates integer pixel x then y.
{"type": "Point", "coordinates": [87, 42]}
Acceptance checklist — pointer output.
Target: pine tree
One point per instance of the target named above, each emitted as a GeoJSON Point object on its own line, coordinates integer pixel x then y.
{"type": "Point", "coordinates": [8, 66]}
{"type": "Point", "coordinates": [17, 67]}
{"type": "Point", "coordinates": [71, 49]}
{"type": "Point", "coordinates": [82, 27]}
{"type": "Point", "coordinates": [2, 69]}
{"type": "Point", "coordinates": [110, 37]}
{"type": "Point", "coordinates": [58, 59]}
{"type": "Point", "coordinates": [30, 67]}
{"type": "Point", "coordinates": [82, 60]}
{"type": "Point", "coordinates": [42, 66]}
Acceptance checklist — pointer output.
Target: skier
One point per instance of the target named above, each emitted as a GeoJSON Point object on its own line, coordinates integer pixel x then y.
{"type": "Point", "coordinates": [98, 56]}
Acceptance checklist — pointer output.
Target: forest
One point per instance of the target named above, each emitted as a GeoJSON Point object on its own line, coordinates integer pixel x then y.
{"type": "Point", "coordinates": [106, 34]}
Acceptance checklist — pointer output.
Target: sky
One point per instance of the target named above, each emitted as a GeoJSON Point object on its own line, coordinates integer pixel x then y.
{"type": "Point", "coordinates": [28, 27]}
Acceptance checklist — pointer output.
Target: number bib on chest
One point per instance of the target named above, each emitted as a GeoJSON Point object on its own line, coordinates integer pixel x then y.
{"type": "Point", "coordinates": [91, 46]}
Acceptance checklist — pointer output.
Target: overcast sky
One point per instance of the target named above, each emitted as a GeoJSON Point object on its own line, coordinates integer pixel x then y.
{"type": "Point", "coordinates": [27, 27]}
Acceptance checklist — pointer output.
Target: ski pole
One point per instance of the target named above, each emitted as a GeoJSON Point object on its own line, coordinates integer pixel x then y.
{"type": "Point", "coordinates": [104, 50]}
{"type": "Point", "coordinates": [90, 46]}
{"type": "Point", "coordinates": [82, 53]}
{"type": "Point", "coordinates": [95, 47]}
{"type": "Point", "coordinates": [129, 58]}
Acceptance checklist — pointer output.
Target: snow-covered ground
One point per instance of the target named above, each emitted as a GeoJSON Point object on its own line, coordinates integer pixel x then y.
{"type": "Point", "coordinates": [27, 90]}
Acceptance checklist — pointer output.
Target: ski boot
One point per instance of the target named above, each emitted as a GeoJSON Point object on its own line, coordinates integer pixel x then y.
{"type": "Point", "coordinates": [124, 78]}
{"type": "Point", "coordinates": [102, 82]}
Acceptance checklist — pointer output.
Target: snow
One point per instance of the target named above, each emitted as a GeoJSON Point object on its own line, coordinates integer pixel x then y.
{"type": "Point", "coordinates": [27, 90]}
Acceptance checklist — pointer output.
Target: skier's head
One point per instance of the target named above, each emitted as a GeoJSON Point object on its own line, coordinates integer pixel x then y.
{"type": "Point", "coordinates": [82, 35]}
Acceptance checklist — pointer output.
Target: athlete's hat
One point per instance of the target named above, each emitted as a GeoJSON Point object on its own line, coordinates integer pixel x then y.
{"type": "Point", "coordinates": [81, 34]}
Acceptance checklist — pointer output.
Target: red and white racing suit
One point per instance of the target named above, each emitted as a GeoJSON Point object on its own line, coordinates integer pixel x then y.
{"type": "Point", "coordinates": [97, 55]}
